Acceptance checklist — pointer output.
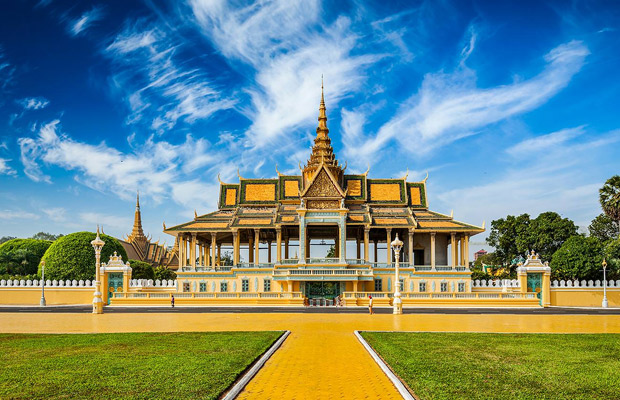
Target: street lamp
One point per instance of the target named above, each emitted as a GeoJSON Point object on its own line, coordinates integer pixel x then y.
{"type": "Point", "coordinates": [605, 304]}
{"type": "Point", "coordinates": [397, 245]}
{"type": "Point", "coordinates": [97, 301]}
{"type": "Point", "coordinates": [42, 303]}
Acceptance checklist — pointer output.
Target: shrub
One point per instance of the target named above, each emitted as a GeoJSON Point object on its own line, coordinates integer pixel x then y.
{"type": "Point", "coordinates": [141, 270]}
{"type": "Point", "coordinates": [579, 258]}
{"type": "Point", "coordinates": [22, 256]}
{"type": "Point", "coordinates": [73, 257]}
{"type": "Point", "coordinates": [162, 273]}
{"type": "Point", "coordinates": [612, 255]}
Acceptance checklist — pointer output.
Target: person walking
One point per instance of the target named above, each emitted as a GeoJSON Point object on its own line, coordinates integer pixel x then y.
{"type": "Point", "coordinates": [172, 301]}
{"type": "Point", "coordinates": [370, 304]}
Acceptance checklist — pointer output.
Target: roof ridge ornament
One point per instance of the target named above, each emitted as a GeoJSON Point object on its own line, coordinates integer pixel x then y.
{"type": "Point", "coordinates": [239, 175]}
{"type": "Point", "coordinates": [406, 175]}
{"type": "Point", "coordinates": [368, 170]}
{"type": "Point", "coordinates": [424, 180]}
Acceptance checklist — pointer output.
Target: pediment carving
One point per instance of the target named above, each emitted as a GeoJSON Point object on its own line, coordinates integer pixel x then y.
{"type": "Point", "coordinates": [322, 186]}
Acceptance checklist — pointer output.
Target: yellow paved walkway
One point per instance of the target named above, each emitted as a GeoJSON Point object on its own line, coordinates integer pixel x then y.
{"type": "Point", "coordinates": [321, 358]}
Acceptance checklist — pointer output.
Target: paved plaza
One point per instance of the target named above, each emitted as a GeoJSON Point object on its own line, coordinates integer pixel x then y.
{"type": "Point", "coordinates": [321, 358]}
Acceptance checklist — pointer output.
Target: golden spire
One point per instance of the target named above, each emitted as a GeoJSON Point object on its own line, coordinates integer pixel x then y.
{"type": "Point", "coordinates": [322, 151]}
{"type": "Point", "coordinates": [137, 232]}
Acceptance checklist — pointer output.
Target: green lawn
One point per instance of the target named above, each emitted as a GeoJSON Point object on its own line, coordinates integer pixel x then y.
{"type": "Point", "coordinates": [503, 366]}
{"type": "Point", "coordinates": [126, 365]}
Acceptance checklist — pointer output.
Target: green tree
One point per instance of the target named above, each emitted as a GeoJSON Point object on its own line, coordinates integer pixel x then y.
{"type": "Point", "coordinates": [141, 270]}
{"type": "Point", "coordinates": [579, 258]}
{"type": "Point", "coordinates": [603, 228]}
{"type": "Point", "coordinates": [547, 234]}
{"type": "Point", "coordinates": [72, 256]}
{"type": "Point", "coordinates": [609, 197]}
{"type": "Point", "coordinates": [331, 253]}
{"type": "Point", "coordinates": [22, 256]}
{"type": "Point", "coordinates": [508, 237]}
{"type": "Point", "coordinates": [4, 239]}
{"type": "Point", "coordinates": [515, 236]}
{"type": "Point", "coordinates": [612, 255]}
{"type": "Point", "coordinates": [46, 236]}
{"type": "Point", "coordinates": [162, 273]}
{"type": "Point", "coordinates": [226, 259]}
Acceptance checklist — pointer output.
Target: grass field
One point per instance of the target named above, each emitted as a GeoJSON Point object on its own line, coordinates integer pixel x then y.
{"type": "Point", "coordinates": [126, 365]}
{"type": "Point", "coordinates": [503, 366]}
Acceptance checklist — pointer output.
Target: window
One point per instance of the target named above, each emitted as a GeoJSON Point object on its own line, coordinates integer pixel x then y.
{"type": "Point", "coordinates": [223, 286]}
{"type": "Point", "coordinates": [203, 287]}
{"type": "Point", "coordinates": [378, 285]}
{"type": "Point", "coordinates": [461, 286]}
{"type": "Point", "coordinates": [186, 286]}
{"type": "Point", "coordinates": [401, 285]}
{"type": "Point", "coordinates": [267, 285]}
{"type": "Point", "coordinates": [443, 286]}
{"type": "Point", "coordinates": [245, 285]}
{"type": "Point", "coordinates": [422, 286]}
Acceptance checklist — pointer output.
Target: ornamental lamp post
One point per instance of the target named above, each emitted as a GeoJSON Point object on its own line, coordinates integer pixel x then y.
{"type": "Point", "coordinates": [397, 245]}
{"type": "Point", "coordinates": [42, 303]}
{"type": "Point", "coordinates": [605, 303]}
{"type": "Point", "coordinates": [97, 300]}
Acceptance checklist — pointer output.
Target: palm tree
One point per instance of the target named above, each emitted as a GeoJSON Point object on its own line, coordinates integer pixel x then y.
{"type": "Point", "coordinates": [609, 196]}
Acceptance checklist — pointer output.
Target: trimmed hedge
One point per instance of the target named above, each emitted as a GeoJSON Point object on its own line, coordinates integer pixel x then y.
{"type": "Point", "coordinates": [73, 257]}
{"type": "Point", "coordinates": [141, 270]}
{"type": "Point", "coordinates": [22, 256]}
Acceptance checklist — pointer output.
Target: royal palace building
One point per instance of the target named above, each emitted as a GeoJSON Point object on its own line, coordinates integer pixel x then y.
{"type": "Point", "coordinates": [291, 214]}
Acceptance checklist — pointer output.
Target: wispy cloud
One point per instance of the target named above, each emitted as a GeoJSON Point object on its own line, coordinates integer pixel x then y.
{"type": "Point", "coordinates": [104, 220]}
{"type": "Point", "coordinates": [546, 142]}
{"type": "Point", "coordinates": [17, 214]}
{"type": "Point", "coordinates": [559, 179]}
{"type": "Point", "coordinates": [56, 214]}
{"type": "Point", "coordinates": [5, 168]}
{"type": "Point", "coordinates": [448, 107]}
{"type": "Point", "coordinates": [33, 103]}
{"type": "Point", "coordinates": [157, 168]}
{"type": "Point", "coordinates": [158, 88]}
{"type": "Point", "coordinates": [86, 20]}
{"type": "Point", "coordinates": [289, 48]}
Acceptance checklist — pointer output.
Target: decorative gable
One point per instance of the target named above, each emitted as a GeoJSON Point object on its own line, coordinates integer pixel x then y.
{"type": "Point", "coordinates": [323, 186]}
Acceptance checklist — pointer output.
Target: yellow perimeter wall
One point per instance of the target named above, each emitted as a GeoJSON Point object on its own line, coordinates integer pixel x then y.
{"type": "Point", "coordinates": [584, 297]}
{"type": "Point", "coordinates": [53, 295]}
{"type": "Point", "coordinates": [562, 297]}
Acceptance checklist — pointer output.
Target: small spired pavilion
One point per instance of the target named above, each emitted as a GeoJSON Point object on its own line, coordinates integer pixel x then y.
{"type": "Point", "coordinates": [290, 215]}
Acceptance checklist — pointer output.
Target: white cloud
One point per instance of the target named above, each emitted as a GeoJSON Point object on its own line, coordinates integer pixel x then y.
{"type": "Point", "coordinates": [105, 220]}
{"type": "Point", "coordinates": [157, 88]}
{"type": "Point", "coordinates": [85, 21]}
{"type": "Point", "coordinates": [33, 103]}
{"type": "Point", "coordinates": [448, 107]}
{"type": "Point", "coordinates": [56, 214]}
{"type": "Point", "coordinates": [561, 179]}
{"type": "Point", "coordinates": [5, 168]}
{"type": "Point", "coordinates": [155, 168]}
{"type": "Point", "coordinates": [545, 142]}
{"type": "Point", "coordinates": [16, 214]}
{"type": "Point", "coordinates": [289, 48]}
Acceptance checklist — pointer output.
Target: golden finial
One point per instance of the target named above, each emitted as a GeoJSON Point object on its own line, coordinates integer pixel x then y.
{"type": "Point", "coordinates": [137, 199]}
{"type": "Point", "coordinates": [367, 170]}
{"type": "Point", "coordinates": [424, 180]}
{"type": "Point", "coordinates": [483, 222]}
{"type": "Point", "coordinates": [345, 166]}
{"type": "Point", "coordinates": [452, 213]}
{"type": "Point", "coordinates": [406, 174]}
{"type": "Point", "coordinates": [164, 225]}
{"type": "Point", "coordinates": [218, 178]}
{"type": "Point", "coordinates": [238, 174]}
{"type": "Point", "coordinates": [278, 172]}
{"type": "Point", "coordinates": [195, 214]}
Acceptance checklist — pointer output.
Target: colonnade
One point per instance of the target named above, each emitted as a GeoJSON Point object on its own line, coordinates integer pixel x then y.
{"type": "Point", "coordinates": [193, 251]}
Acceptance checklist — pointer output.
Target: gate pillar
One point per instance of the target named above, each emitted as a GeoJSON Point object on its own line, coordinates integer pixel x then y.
{"type": "Point", "coordinates": [534, 276]}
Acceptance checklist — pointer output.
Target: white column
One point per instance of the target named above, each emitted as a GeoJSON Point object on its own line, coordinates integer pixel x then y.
{"type": "Point", "coordinates": [389, 258]}
{"type": "Point", "coordinates": [213, 248]}
{"type": "Point", "coordinates": [453, 248]}
{"type": "Point", "coordinates": [433, 249]}
{"type": "Point", "coordinates": [410, 247]}
{"type": "Point", "coordinates": [192, 251]}
{"type": "Point", "coordinates": [466, 250]}
{"type": "Point", "coordinates": [257, 244]}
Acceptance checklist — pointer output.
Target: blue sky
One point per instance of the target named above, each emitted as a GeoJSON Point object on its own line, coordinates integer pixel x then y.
{"type": "Point", "coordinates": [512, 107]}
